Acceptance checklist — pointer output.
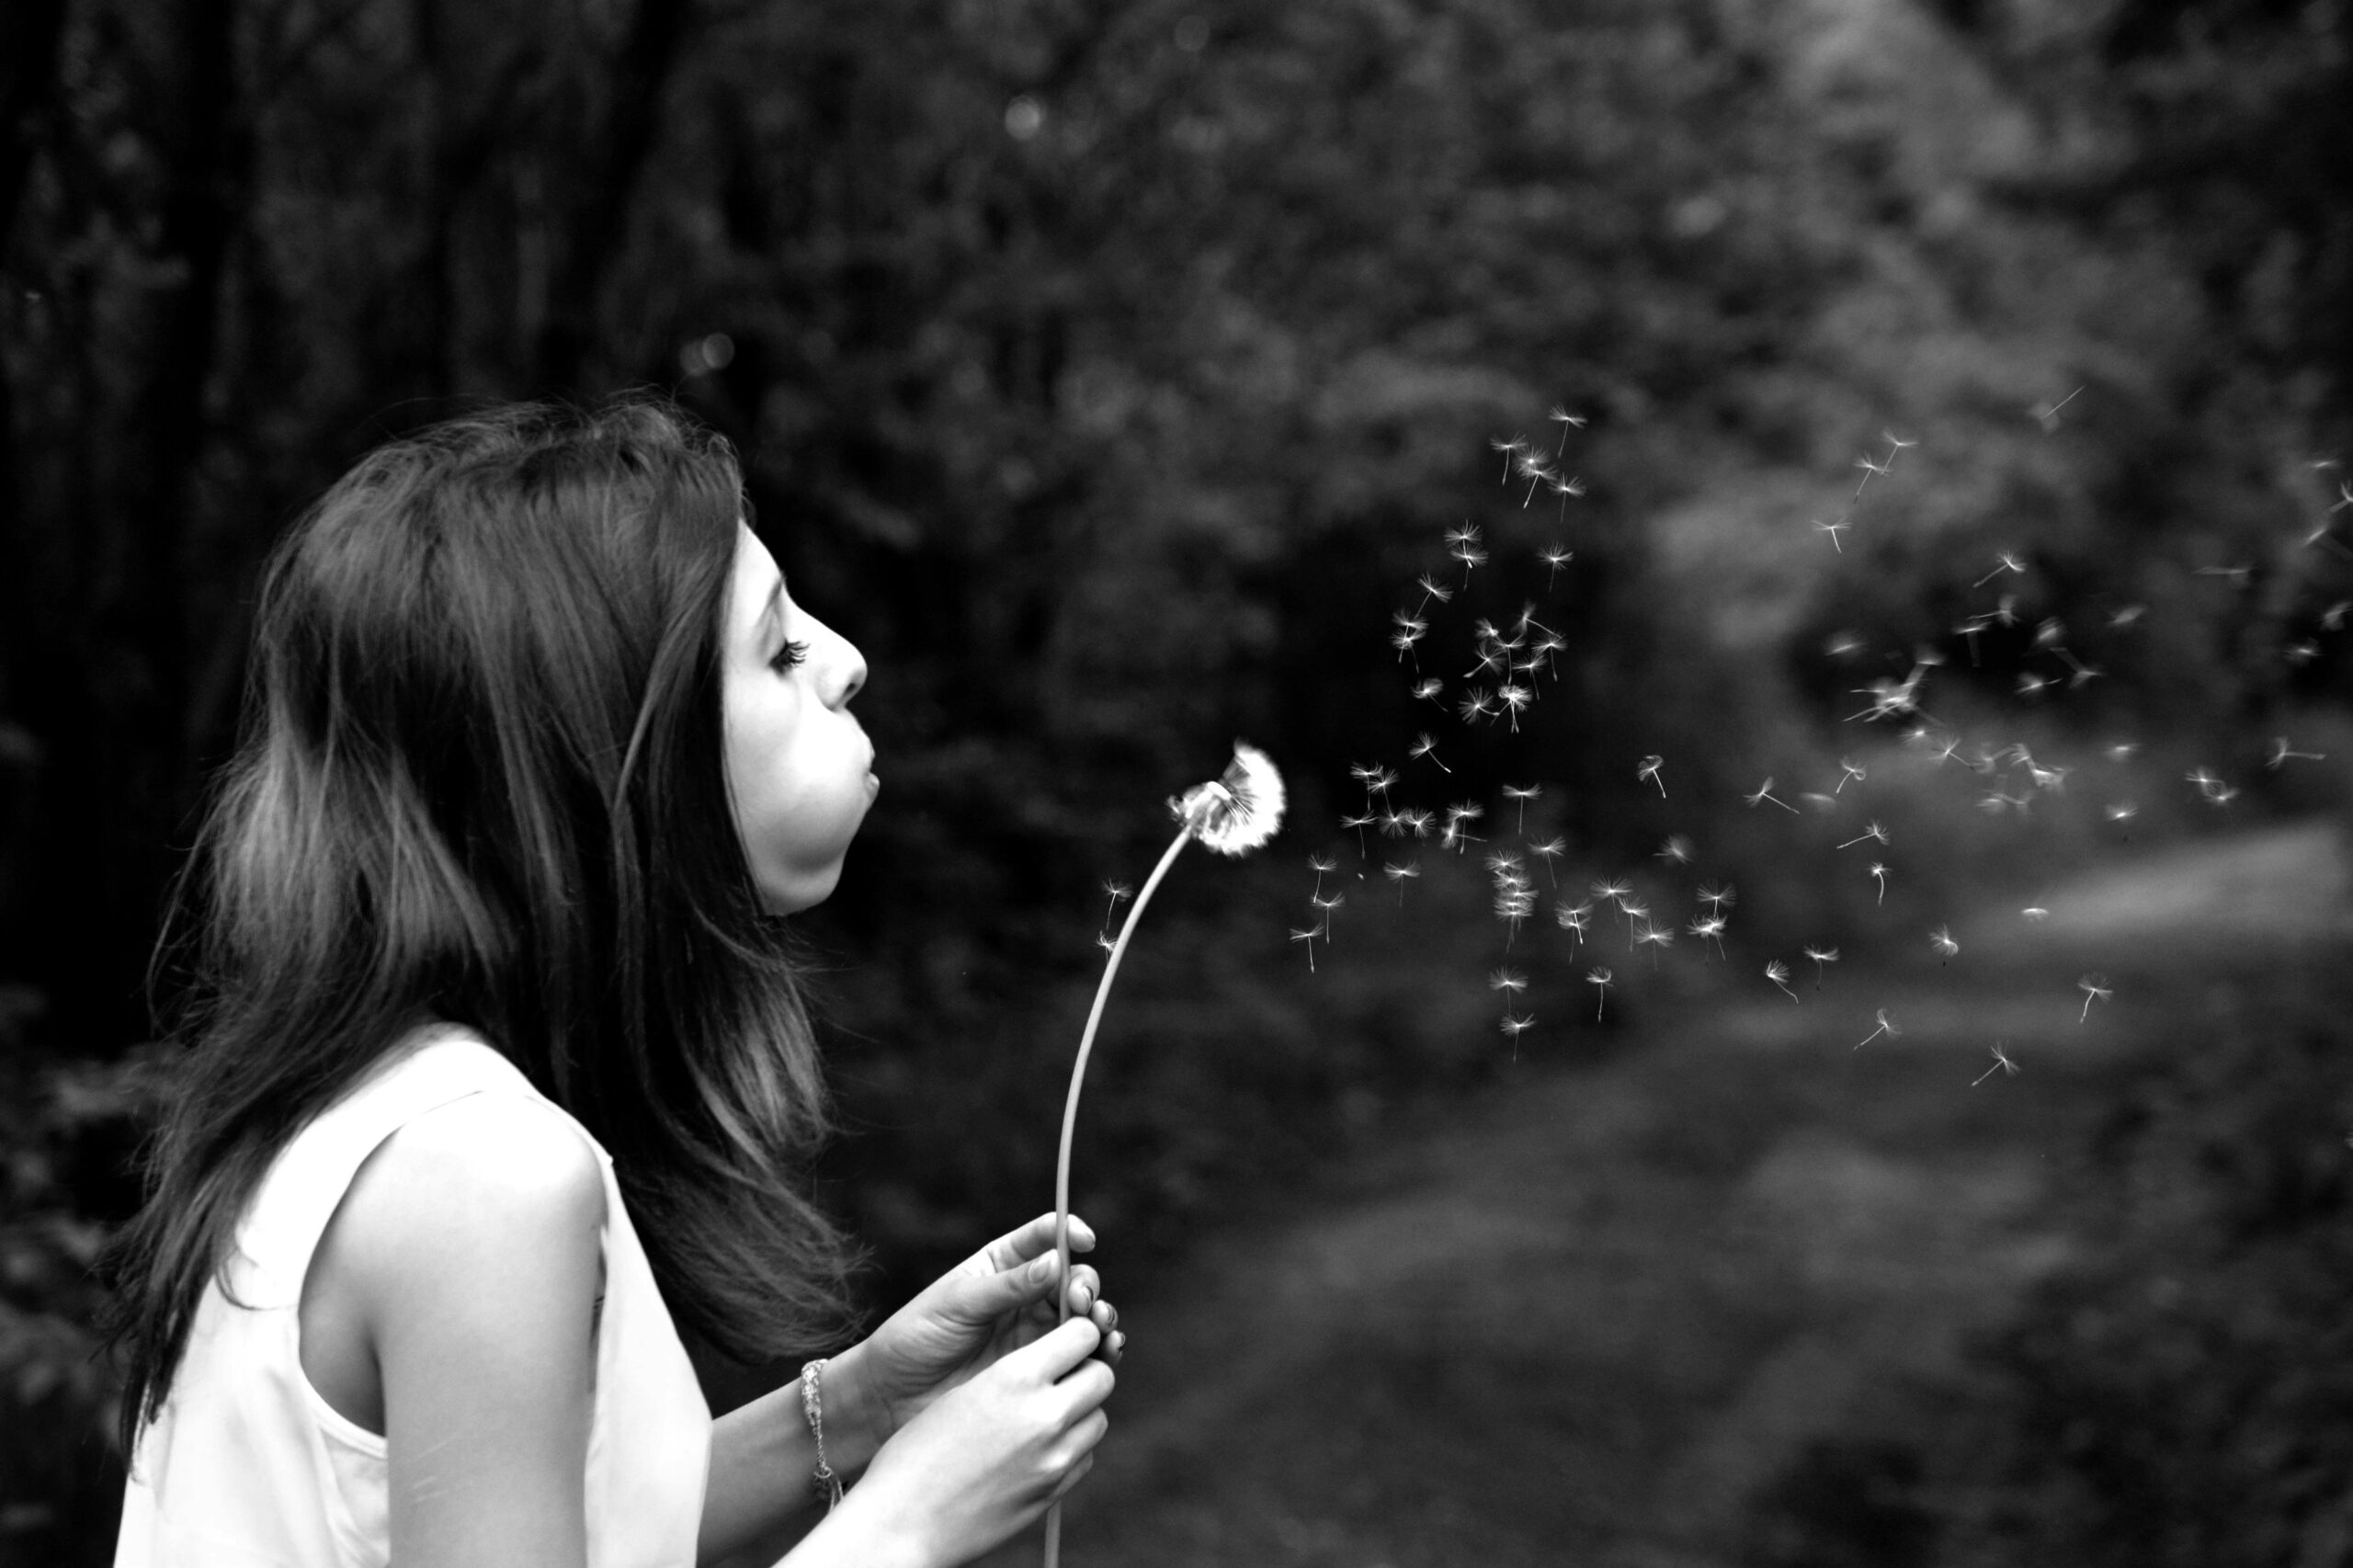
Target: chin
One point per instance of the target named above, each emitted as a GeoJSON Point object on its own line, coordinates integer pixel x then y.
{"type": "Point", "coordinates": [797, 894]}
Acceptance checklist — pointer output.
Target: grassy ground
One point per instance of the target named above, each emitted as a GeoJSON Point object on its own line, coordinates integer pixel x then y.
{"type": "Point", "coordinates": [1616, 1312]}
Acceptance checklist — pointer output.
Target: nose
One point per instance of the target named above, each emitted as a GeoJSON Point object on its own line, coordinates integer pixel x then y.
{"type": "Point", "coordinates": [846, 672]}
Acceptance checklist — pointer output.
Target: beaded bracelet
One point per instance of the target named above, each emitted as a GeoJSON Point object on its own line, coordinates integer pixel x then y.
{"type": "Point", "coordinates": [825, 1479]}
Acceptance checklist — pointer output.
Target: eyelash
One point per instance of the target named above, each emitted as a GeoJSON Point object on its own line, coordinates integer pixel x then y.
{"type": "Point", "coordinates": [788, 657]}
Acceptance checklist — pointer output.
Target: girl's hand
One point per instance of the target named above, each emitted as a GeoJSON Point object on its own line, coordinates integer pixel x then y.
{"type": "Point", "coordinates": [982, 1461]}
{"type": "Point", "coordinates": [997, 1301]}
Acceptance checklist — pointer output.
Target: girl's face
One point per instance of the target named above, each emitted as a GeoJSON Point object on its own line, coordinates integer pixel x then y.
{"type": "Point", "coordinates": [798, 763]}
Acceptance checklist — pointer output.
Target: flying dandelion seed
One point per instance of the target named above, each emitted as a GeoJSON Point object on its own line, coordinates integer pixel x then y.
{"type": "Point", "coordinates": [2035, 912]}
{"type": "Point", "coordinates": [1308, 936]}
{"type": "Point", "coordinates": [1359, 824]}
{"type": "Point", "coordinates": [1778, 973]}
{"type": "Point", "coordinates": [1567, 422]}
{"type": "Point", "coordinates": [2047, 414]}
{"type": "Point", "coordinates": [1476, 704]}
{"type": "Point", "coordinates": [1510, 449]}
{"type": "Point", "coordinates": [1823, 958]}
{"type": "Point", "coordinates": [1572, 919]}
{"type": "Point", "coordinates": [1470, 555]}
{"type": "Point", "coordinates": [1425, 746]}
{"type": "Point", "coordinates": [1718, 899]}
{"type": "Point", "coordinates": [1765, 792]}
{"type": "Point", "coordinates": [1617, 889]}
{"type": "Point", "coordinates": [1321, 864]}
{"type": "Point", "coordinates": [1834, 529]}
{"type": "Point", "coordinates": [1419, 822]}
{"type": "Point", "coordinates": [1548, 851]}
{"type": "Point", "coordinates": [1870, 470]}
{"type": "Point", "coordinates": [2281, 755]}
{"type": "Point", "coordinates": [1886, 1026]}
{"type": "Point", "coordinates": [2003, 562]}
{"type": "Point", "coordinates": [1648, 773]}
{"type": "Point", "coordinates": [1878, 874]}
{"type": "Point", "coordinates": [1521, 794]}
{"type": "Point", "coordinates": [1514, 698]}
{"type": "Point", "coordinates": [2001, 1065]}
{"type": "Point", "coordinates": [1637, 915]}
{"type": "Point", "coordinates": [1709, 929]}
{"type": "Point", "coordinates": [1508, 980]}
{"type": "Point", "coordinates": [1401, 875]}
{"type": "Point", "coordinates": [1598, 978]}
{"type": "Point", "coordinates": [1554, 558]}
{"type": "Point", "coordinates": [1430, 690]}
{"type": "Point", "coordinates": [2094, 988]}
{"type": "Point", "coordinates": [1549, 644]}
{"type": "Point", "coordinates": [1119, 893]}
{"type": "Point", "coordinates": [1874, 831]}
{"type": "Point", "coordinates": [1850, 772]}
{"type": "Point", "coordinates": [1941, 940]}
{"type": "Point", "coordinates": [1514, 1026]}
{"type": "Point", "coordinates": [1676, 850]}
{"type": "Point", "coordinates": [2211, 787]}
{"type": "Point", "coordinates": [2121, 811]}
{"type": "Point", "coordinates": [1431, 589]}
{"type": "Point", "coordinates": [1658, 937]}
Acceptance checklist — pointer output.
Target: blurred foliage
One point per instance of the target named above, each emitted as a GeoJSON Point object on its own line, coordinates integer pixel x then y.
{"type": "Point", "coordinates": [1107, 373]}
{"type": "Point", "coordinates": [2174, 1395]}
{"type": "Point", "coordinates": [2180, 1393]}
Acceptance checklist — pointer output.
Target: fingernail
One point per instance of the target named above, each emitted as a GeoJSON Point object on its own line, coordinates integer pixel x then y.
{"type": "Point", "coordinates": [1043, 1269]}
{"type": "Point", "coordinates": [1119, 1344]}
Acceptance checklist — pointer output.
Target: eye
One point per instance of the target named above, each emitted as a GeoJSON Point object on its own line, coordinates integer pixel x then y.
{"type": "Point", "coordinates": [790, 657]}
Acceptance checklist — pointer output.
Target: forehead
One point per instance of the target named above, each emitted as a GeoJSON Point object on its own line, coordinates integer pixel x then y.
{"type": "Point", "coordinates": [758, 584]}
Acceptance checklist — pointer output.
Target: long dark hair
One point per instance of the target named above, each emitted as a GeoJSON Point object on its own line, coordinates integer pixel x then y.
{"type": "Point", "coordinates": [481, 779]}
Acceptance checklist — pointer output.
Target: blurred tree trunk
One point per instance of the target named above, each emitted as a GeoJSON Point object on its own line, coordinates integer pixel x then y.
{"type": "Point", "coordinates": [593, 230]}
{"type": "Point", "coordinates": [106, 677]}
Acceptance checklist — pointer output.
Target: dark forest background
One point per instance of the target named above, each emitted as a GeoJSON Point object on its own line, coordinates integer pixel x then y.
{"type": "Point", "coordinates": [1108, 372]}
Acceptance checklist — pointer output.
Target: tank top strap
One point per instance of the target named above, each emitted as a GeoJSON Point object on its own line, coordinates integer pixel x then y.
{"type": "Point", "coordinates": [429, 1069]}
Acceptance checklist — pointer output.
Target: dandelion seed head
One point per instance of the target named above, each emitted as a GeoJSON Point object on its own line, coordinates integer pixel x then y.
{"type": "Point", "coordinates": [1239, 810]}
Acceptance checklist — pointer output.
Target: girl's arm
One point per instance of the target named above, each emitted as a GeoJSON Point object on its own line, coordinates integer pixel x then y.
{"type": "Point", "coordinates": [476, 1248]}
{"type": "Point", "coordinates": [477, 1254]}
{"type": "Point", "coordinates": [763, 1462]}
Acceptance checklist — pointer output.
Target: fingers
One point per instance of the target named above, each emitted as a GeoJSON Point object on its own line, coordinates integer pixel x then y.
{"type": "Point", "coordinates": [1016, 1247]}
{"type": "Point", "coordinates": [1071, 1478]}
{"type": "Point", "coordinates": [1052, 1356]}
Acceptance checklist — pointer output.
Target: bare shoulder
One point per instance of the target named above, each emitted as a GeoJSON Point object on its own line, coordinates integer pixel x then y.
{"type": "Point", "coordinates": [486, 1174]}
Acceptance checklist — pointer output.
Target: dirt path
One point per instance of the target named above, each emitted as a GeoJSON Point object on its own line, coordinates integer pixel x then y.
{"type": "Point", "coordinates": [1585, 1321]}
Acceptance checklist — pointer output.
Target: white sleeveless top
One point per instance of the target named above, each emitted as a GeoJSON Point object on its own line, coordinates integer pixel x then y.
{"type": "Point", "coordinates": [248, 1466]}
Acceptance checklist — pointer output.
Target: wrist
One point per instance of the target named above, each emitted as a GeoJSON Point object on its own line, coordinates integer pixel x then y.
{"type": "Point", "coordinates": [860, 1534]}
{"type": "Point", "coordinates": [856, 1424]}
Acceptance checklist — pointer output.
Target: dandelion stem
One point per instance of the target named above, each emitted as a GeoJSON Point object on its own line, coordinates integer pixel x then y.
{"type": "Point", "coordinates": [1070, 1126]}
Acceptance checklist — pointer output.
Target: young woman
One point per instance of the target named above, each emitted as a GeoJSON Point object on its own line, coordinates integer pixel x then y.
{"type": "Point", "coordinates": [497, 1069]}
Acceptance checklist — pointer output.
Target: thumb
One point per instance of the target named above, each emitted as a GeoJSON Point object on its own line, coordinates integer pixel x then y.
{"type": "Point", "coordinates": [1055, 1354]}
{"type": "Point", "coordinates": [982, 1297]}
